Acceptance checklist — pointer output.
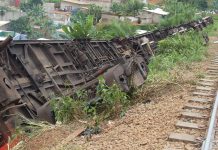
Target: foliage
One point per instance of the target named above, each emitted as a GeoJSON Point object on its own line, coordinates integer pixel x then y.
{"type": "Point", "coordinates": [213, 4]}
{"type": "Point", "coordinates": [117, 8]}
{"type": "Point", "coordinates": [129, 7]}
{"type": "Point", "coordinates": [179, 13]}
{"type": "Point", "coordinates": [42, 25]}
{"type": "Point", "coordinates": [80, 29]}
{"type": "Point", "coordinates": [114, 101]}
{"type": "Point", "coordinates": [148, 27]}
{"type": "Point", "coordinates": [67, 108]}
{"type": "Point", "coordinates": [27, 6]}
{"type": "Point", "coordinates": [3, 10]}
{"type": "Point", "coordinates": [200, 4]}
{"type": "Point", "coordinates": [213, 28]}
{"type": "Point", "coordinates": [83, 27]}
{"type": "Point", "coordinates": [82, 23]}
{"type": "Point", "coordinates": [179, 49]}
{"type": "Point", "coordinates": [120, 29]}
{"type": "Point", "coordinates": [20, 25]}
{"type": "Point", "coordinates": [95, 11]}
{"type": "Point", "coordinates": [36, 24]}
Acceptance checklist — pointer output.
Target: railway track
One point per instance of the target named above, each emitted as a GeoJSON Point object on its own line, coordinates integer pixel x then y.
{"type": "Point", "coordinates": [197, 126]}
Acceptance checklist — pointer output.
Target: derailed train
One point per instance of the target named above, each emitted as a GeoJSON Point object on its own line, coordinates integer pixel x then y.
{"type": "Point", "coordinates": [32, 72]}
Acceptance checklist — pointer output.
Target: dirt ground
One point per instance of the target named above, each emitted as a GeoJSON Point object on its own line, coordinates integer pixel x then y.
{"type": "Point", "coordinates": [145, 126]}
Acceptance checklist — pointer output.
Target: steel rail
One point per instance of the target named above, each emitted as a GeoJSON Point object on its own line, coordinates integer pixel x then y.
{"type": "Point", "coordinates": [207, 144]}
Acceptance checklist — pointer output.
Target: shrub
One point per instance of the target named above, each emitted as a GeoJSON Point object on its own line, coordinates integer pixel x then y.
{"type": "Point", "coordinates": [114, 101]}
{"type": "Point", "coordinates": [67, 108]}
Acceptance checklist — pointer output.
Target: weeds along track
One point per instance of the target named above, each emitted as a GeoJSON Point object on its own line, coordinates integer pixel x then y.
{"type": "Point", "coordinates": [192, 125]}
{"type": "Point", "coordinates": [34, 72]}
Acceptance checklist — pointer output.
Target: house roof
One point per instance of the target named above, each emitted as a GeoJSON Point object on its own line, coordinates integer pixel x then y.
{"type": "Point", "coordinates": [158, 11]}
{"type": "Point", "coordinates": [76, 2]}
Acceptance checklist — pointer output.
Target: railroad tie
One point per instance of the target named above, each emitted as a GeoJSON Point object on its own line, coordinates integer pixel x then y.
{"type": "Point", "coordinates": [211, 76]}
{"type": "Point", "coordinates": [187, 114]}
{"type": "Point", "coordinates": [197, 107]}
{"type": "Point", "coordinates": [206, 83]}
{"type": "Point", "coordinates": [204, 88]}
{"type": "Point", "coordinates": [213, 73]}
{"type": "Point", "coordinates": [202, 94]}
{"type": "Point", "coordinates": [188, 125]}
{"type": "Point", "coordinates": [211, 70]}
{"type": "Point", "coordinates": [214, 61]}
{"type": "Point", "coordinates": [212, 67]}
{"type": "Point", "coordinates": [207, 80]}
{"type": "Point", "coordinates": [183, 138]}
{"type": "Point", "coordinates": [200, 100]}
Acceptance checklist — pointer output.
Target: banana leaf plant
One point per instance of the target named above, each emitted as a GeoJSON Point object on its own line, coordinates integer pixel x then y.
{"type": "Point", "coordinates": [82, 29]}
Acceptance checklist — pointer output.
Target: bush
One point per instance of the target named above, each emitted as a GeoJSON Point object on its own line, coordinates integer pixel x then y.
{"type": "Point", "coordinates": [120, 29]}
{"type": "Point", "coordinates": [114, 101]}
{"type": "Point", "coordinates": [67, 108]}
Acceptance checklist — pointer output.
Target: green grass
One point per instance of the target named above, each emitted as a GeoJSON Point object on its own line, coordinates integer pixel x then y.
{"type": "Point", "coordinates": [212, 29]}
{"type": "Point", "coordinates": [180, 50]}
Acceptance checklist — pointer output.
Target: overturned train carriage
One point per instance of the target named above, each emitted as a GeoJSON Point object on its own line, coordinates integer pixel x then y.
{"type": "Point", "coordinates": [33, 72]}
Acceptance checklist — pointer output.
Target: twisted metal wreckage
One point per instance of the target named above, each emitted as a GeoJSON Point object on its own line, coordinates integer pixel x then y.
{"type": "Point", "coordinates": [32, 72]}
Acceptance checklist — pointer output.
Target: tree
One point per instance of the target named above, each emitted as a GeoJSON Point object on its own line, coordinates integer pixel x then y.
{"type": "Point", "coordinates": [20, 25]}
{"type": "Point", "coordinates": [36, 24]}
{"type": "Point", "coordinates": [95, 11]}
{"type": "Point", "coordinates": [117, 8]}
{"type": "Point", "coordinates": [27, 6]}
{"type": "Point", "coordinates": [180, 12]}
{"type": "Point", "coordinates": [129, 7]}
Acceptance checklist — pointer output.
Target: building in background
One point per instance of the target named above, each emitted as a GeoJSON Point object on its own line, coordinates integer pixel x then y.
{"type": "Point", "coordinates": [72, 4]}
{"type": "Point", "coordinates": [14, 3]}
{"type": "Point", "coordinates": [152, 16]}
